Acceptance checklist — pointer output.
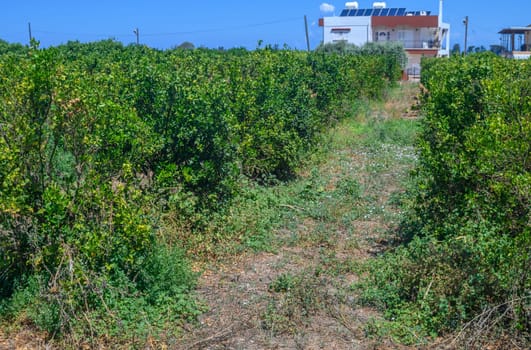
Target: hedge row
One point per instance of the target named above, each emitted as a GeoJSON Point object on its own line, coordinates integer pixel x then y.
{"type": "Point", "coordinates": [466, 264]}
{"type": "Point", "coordinates": [97, 140]}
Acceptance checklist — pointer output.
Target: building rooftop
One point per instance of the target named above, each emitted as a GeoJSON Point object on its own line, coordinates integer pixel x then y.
{"type": "Point", "coordinates": [515, 30]}
{"type": "Point", "coordinates": [382, 12]}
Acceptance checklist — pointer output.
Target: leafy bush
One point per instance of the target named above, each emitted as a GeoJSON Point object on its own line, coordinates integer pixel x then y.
{"type": "Point", "coordinates": [73, 213]}
{"type": "Point", "coordinates": [102, 145]}
{"type": "Point", "coordinates": [395, 58]}
{"type": "Point", "coordinates": [465, 262]}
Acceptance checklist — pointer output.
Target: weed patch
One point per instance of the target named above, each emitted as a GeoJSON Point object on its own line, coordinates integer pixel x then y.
{"type": "Point", "coordinates": [295, 298]}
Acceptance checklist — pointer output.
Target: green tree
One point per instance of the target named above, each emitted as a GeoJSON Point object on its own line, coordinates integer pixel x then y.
{"type": "Point", "coordinates": [456, 49]}
{"type": "Point", "coordinates": [498, 49]}
{"type": "Point", "coordinates": [186, 45]}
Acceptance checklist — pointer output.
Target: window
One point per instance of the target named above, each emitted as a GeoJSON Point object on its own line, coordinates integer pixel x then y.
{"type": "Point", "coordinates": [340, 30]}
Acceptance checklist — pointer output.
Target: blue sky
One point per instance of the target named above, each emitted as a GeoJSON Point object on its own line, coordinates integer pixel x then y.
{"type": "Point", "coordinates": [165, 23]}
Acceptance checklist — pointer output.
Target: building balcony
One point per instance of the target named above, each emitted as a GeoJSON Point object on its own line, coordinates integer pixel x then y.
{"type": "Point", "coordinates": [417, 44]}
{"type": "Point", "coordinates": [421, 44]}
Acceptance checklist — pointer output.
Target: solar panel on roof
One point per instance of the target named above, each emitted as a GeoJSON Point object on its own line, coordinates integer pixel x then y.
{"type": "Point", "coordinates": [401, 11]}
{"type": "Point", "coordinates": [382, 12]}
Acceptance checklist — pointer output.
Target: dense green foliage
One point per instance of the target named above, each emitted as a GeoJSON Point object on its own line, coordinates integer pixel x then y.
{"type": "Point", "coordinates": [392, 51]}
{"type": "Point", "coordinates": [6, 47]}
{"type": "Point", "coordinates": [102, 145]}
{"type": "Point", "coordinates": [466, 263]}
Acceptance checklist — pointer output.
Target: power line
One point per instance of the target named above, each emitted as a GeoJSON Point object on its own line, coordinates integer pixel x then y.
{"type": "Point", "coordinates": [79, 34]}
{"type": "Point", "coordinates": [184, 32]}
{"type": "Point", "coordinates": [245, 26]}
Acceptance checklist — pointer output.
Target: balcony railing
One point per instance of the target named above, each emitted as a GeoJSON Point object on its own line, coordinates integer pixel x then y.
{"type": "Point", "coordinates": [419, 44]}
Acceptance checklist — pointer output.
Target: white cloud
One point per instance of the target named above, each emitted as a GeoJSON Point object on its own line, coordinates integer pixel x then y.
{"type": "Point", "coordinates": [325, 7]}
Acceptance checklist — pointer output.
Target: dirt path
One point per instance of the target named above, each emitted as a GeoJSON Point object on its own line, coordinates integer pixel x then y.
{"type": "Point", "coordinates": [239, 299]}
{"type": "Point", "coordinates": [301, 296]}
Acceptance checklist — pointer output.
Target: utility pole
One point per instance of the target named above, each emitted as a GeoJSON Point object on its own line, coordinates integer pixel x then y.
{"type": "Point", "coordinates": [307, 35]}
{"type": "Point", "coordinates": [465, 22]}
{"type": "Point", "coordinates": [29, 29]}
{"type": "Point", "coordinates": [137, 33]}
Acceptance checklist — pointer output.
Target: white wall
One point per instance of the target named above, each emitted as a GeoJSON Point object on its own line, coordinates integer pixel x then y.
{"type": "Point", "coordinates": [521, 55]}
{"type": "Point", "coordinates": [360, 29]}
{"type": "Point", "coordinates": [445, 40]}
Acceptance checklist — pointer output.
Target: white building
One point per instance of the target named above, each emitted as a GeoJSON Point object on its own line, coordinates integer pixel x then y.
{"type": "Point", "coordinates": [421, 33]}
